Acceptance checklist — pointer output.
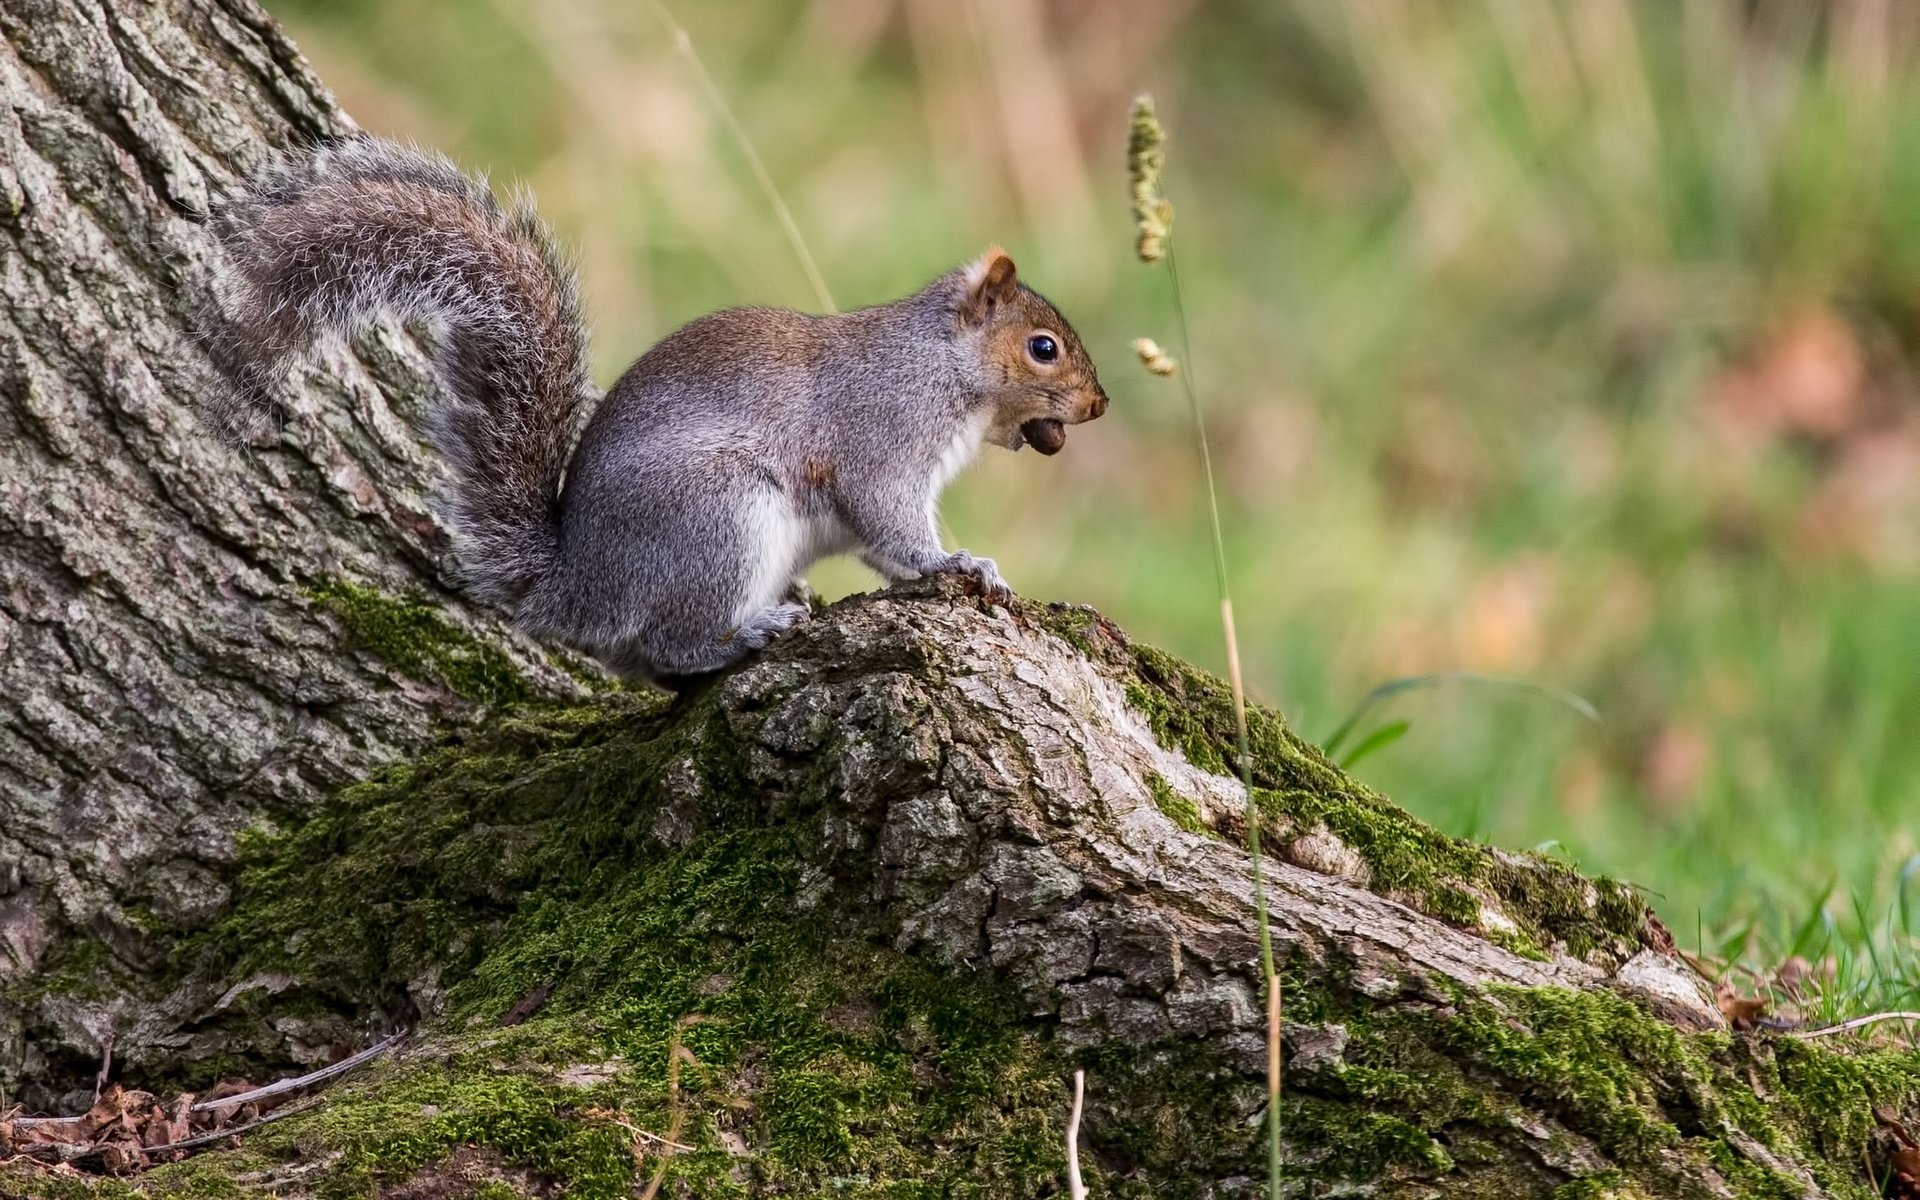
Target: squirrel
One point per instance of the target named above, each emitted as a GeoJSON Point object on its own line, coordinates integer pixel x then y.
{"type": "Point", "coordinates": [664, 528]}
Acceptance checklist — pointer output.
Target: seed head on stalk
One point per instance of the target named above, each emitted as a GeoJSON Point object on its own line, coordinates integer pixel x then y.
{"type": "Point", "coordinates": [1153, 223]}
{"type": "Point", "coordinates": [1152, 212]}
{"type": "Point", "coordinates": [1153, 358]}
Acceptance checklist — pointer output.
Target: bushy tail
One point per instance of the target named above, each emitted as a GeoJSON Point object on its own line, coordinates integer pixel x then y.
{"type": "Point", "coordinates": [352, 229]}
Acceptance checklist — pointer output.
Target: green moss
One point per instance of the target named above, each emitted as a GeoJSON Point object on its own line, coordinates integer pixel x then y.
{"type": "Point", "coordinates": [416, 869]}
{"type": "Point", "coordinates": [1082, 628]}
{"type": "Point", "coordinates": [226, 1175]}
{"type": "Point", "coordinates": [1517, 942]}
{"type": "Point", "coordinates": [815, 1057]}
{"type": "Point", "coordinates": [1591, 1056]}
{"type": "Point", "coordinates": [860, 1059]}
{"type": "Point", "coordinates": [1170, 1118]}
{"type": "Point", "coordinates": [1607, 1185]}
{"type": "Point", "coordinates": [1296, 787]}
{"type": "Point", "coordinates": [1180, 810]}
{"type": "Point", "coordinates": [414, 639]}
{"type": "Point", "coordinates": [78, 967]}
{"type": "Point", "coordinates": [1361, 1145]}
{"type": "Point", "coordinates": [836, 1061]}
{"type": "Point", "coordinates": [21, 1180]}
{"type": "Point", "coordinates": [1662, 1105]}
{"type": "Point", "coordinates": [1177, 723]}
{"type": "Point", "coordinates": [385, 1129]}
{"type": "Point", "coordinates": [1830, 1097]}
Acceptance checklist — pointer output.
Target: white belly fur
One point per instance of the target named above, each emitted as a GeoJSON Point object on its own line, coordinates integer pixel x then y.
{"type": "Point", "coordinates": [959, 453]}
{"type": "Point", "coordinates": [781, 544]}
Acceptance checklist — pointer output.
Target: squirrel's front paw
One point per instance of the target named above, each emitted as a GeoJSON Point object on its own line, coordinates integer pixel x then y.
{"type": "Point", "coordinates": [985, 574]}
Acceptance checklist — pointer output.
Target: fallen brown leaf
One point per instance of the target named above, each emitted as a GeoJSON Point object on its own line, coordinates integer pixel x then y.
{"type": "Point", "coordinates": [1742, 1012]}
{"type": "Point", "coordinates": [1906, 1169]}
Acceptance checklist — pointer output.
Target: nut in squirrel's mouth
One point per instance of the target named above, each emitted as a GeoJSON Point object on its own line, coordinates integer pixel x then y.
{"type": "Point", "coordinates": [1047, 436]}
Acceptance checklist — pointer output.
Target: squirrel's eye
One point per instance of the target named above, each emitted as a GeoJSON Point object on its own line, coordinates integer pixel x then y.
{"type": "Point", "coordinates": [1043, 348]}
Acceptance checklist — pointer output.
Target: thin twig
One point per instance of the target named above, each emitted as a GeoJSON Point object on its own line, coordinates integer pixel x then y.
{"type": "Point", "coordinates": [209, 1138]}
{"type": "Point", "coordinates": [614, 1117]}
{"type": "Point", "coordinates": [527, 1005]}
{"type": "Point", "coordinates": [656, 1139]}
{"type": "Point", "coordinates": [683, 42]}
{"type": "Point", "coordinates": [68, 1153]}
{"type": "Point", "coordinates": [1856, 1023]}
{"type": "Point", "coordinates": [106, 1065]}
{"type": "Point", "coordinates": [260, 1093]}
{"type": "Point", "coordinates": [290, 1085]}
{"type": "Point", "coordinates": [1076, 1190]}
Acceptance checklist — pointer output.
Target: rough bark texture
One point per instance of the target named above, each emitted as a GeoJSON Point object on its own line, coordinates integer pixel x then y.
{"type": "Point", "coordinates": [178, 656]}
{"type": "Point", "coordinates": [842, 921]}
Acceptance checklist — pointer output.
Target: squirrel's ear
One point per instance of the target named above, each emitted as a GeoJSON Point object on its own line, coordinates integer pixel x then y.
{"type": "Point", "coordinates": [991, 280]}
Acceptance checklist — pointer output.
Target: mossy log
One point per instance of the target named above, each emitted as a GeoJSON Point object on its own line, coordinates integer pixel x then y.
{"type": "Point", "coordinates": [841, 922]}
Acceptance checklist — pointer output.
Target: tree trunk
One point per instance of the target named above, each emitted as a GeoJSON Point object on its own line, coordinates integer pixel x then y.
{"type": "Point", "coordinates": [181, 655]}
{"type": "Point", "coordinates": [844, 920]}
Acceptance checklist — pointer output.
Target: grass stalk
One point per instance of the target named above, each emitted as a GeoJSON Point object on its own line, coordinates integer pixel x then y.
{"type": "Point", "coordinates": [1076, 1187]}
{"type": "Point", "coordinates": [1243, 756]}
{"type": "Point", "coordinates": [683, 43]}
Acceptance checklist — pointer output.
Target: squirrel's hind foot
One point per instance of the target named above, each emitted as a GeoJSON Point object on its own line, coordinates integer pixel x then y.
{"type": "Point", "coordinates": [768, 624]}
{"type": "Point", "coordinates": [675, 665]}
{"type": "Point", "coordinates": [798, 592]}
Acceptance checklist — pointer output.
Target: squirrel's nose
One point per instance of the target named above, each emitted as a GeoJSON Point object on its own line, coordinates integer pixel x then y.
{"type": "Point", "coordinates": [1099, 405]}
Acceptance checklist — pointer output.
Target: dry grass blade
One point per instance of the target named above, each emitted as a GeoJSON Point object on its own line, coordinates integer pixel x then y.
{"type": "Point", "coordinates": [677, 1053]}
{"type": "Point", "coordinates": [1076, 1190]}
{"type": "Point", "coordinates": [1153, 218]}
{"type": "Point", "coordinates": [1274, 1059]}
{"type": "Point", "coordinates": [683, 44]}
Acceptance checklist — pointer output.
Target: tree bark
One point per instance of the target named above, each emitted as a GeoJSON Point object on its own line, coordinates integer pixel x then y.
{"type": "Point", "coordinates": [843, 920]}
{"type": "Point", "coordinates": [171, 669]}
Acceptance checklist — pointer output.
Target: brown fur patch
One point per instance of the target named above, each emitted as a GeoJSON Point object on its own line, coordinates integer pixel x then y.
{"type": "Point", "coordinates": [818, 474]}
{"type": "Point", "coordinates": [1065, 389]}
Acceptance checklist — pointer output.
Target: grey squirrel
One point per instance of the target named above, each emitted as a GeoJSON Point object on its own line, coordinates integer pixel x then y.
{"type": "Point", "coordinates": [660, 529]}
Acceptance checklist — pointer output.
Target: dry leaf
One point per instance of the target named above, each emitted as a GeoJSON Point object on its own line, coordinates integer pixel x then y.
{"type": "Point", "coordinates": [1742, 1012]}
{"type": "Point", "coordinates": [1906, 1164]}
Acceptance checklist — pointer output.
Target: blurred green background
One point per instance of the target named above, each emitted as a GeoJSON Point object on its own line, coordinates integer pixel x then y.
{"type": "Point", "coordinates": [1570, 342]}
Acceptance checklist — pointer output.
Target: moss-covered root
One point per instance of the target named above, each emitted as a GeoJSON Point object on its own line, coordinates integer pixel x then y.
{"type": "Point", "coordinates": [845, 921]}
{"type": "Point", "coordinates": [1325, 820]}
{"type": "Point", "coordinates": [804, 1071]}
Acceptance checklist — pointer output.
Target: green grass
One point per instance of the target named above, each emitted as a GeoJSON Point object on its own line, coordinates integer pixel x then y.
{"type": "Point", "coordinates": [1575, 343]}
